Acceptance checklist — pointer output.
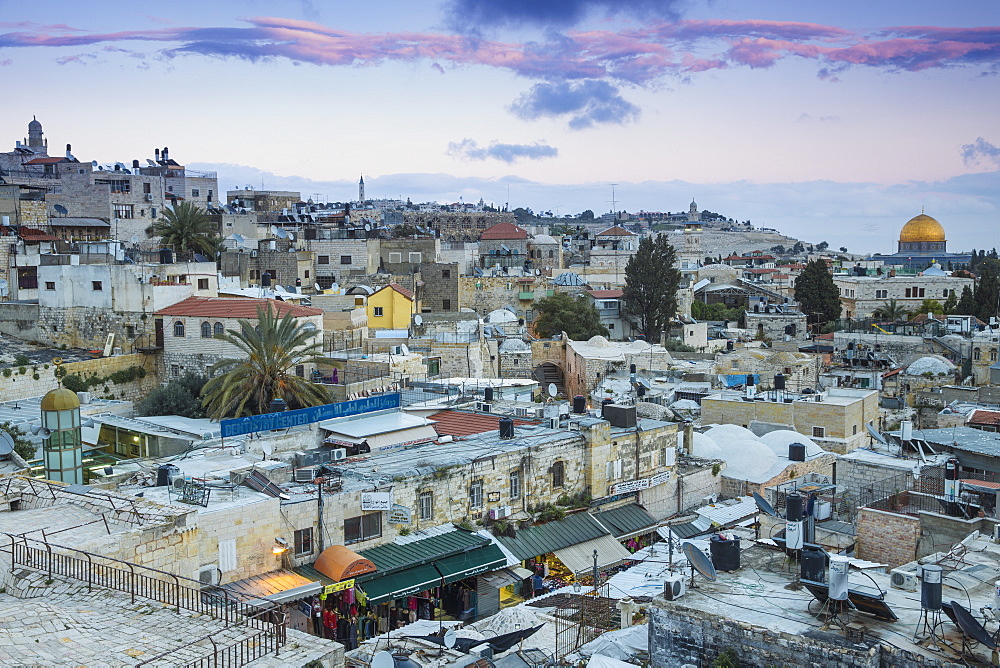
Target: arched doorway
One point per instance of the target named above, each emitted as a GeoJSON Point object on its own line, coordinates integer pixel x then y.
{"type": "Point", "coordinates": [549, 372]}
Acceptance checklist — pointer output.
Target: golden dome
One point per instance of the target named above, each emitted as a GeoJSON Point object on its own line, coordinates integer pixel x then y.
{"type": "Point", "coordinates": [60, 399]}
{"type": "Point", "coordinates": [921, 228]}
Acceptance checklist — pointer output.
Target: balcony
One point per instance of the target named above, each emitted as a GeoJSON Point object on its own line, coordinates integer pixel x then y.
{"type": "Point", "coordinates": [526, 296]}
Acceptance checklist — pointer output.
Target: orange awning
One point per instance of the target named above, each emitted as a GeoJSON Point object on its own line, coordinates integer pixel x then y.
{"type": "Point", "coordinates": [339, 563]}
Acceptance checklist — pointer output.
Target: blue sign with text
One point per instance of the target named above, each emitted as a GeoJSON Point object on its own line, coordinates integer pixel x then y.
{"type": "Point", "coordinates": [269, 421]}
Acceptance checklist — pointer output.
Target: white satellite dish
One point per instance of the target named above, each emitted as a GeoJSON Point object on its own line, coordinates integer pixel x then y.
{"type": "Point", "coordinates": [449, 638]}
{"type": "Point", "coordinates": [316, 286]}
{"type": "Point", "coordinates": [267, 448]}
{"type": "Point", "coordinates": [404, 349]}
{"type": "Point", "coordinates": [135, 239]}
{"type": "Point", "coordinates": [368, 227]}
{"type": "Point", "coordinates": [291, 236]}
{"type": "Point", "coordinates": [383, 660]}
{"type": "Point", "coordinates": [273, 229]}
{"type": "Point", "coordinates": [418, 320]}
{"type": "Point", "coordinates": [6, 443]}
{"type": "Point", "coordinates": [552, 389]}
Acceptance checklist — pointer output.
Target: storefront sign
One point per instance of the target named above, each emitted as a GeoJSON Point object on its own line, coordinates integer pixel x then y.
{"type": "Point", "coordinates": [339, 586]}
{"type": "Point", "coordinates": [399, 514]}
{"type": "Point", "coordinates": [376, 501]}
{"type": "Point", "coordinates": [269, 421]}
{"type": "Point", "coordinates": [635, 485]}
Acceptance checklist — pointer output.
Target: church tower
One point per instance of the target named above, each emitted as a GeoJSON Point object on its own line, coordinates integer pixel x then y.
{"type": "Point", "coordinates": [361, 189]}
{"type": "Point", "coordinates": [693, 215]}
{"type": "Point", "coordinates": [35, 141]}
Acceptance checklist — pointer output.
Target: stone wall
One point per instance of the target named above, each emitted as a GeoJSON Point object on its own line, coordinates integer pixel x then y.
{"type": "Point", "coordinates": [683, 491]}
{"type": "Point", "coordinates": [886, 537]}
{"type": "Point", "coordinates": [440, 291]}
{"type": "Point", "coordinates": [24, 385]}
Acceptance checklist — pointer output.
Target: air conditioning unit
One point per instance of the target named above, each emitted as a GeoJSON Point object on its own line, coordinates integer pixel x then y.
{"type": "Point", "coordinates": [500, 513]}
{"type": "Point", "coordinates": [337, 454]}
{"type": "Point", "coordinates": [484, 407]}
{"type": "Point", "coordinates": [673, 587]}
{"type": "Point", "coordinates": [553, 423]}
{"type": "Point", "coordinates": [84, 397]}
{"type": "Point", "coordinates": [149, 197]}
{"type": "Point", "coordinates": [397, 350]}
{"type": "Point", "coordinates": [209, 575]}
{"type": "Point", "coordinates": [996, 533]}
{"type": "Point", "coordinates": [307, 474]}
{"type": "Point", "coordinates": [539, 413]}
{"type": "Point", "coordinates": [903, 579]}
{"type": "Point", "coordinates": [524, 412]}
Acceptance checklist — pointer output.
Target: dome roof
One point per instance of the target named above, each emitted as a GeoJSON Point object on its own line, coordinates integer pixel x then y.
{"type": "Point", "coordinates": [703, 446]}
{"type": "Point", "coordinates": [725, 433]}
{"type": "Point", "coordinates": [922, 228]}
{"type": "Point", "coordinates": [598, 341]}
{"type": "Point", "coordinates": [34, 124]}
{"type": "Point", "coordinates": [60, 399]}
{"type": "Point", "coordinates": [780, 439]}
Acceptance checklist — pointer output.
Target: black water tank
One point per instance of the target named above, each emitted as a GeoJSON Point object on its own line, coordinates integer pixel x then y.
{"type": "Point", "coordinates": [631, 368]}
{"type": "Point", "coordinates": [930, 587]}
{"type": "Point", "coordinates": [265, 280]}
{"type": "Point", "coordinates": [488, 394]}
{"type": "Point", "coordinates": [506, 428]}
{"type": "Point", "coordinates": [794, 507]}
{"type": "Point", "coordinates": [812, 564]}
{"type": "Point", "coordinates": [796, 452]}
{"type": "Point", "coordinates": [730, 345]}
{"type": "Point", "coordinates": [579, 404]}
{"type": "Point", "coordinates": [603, 404]}
{"type": "Point", "coordinates": [779, 381]}
{"type": "Point", "coordinates": [725, 553]}
{"type": "Point", "coordinates": [165, 474]}
{"type": "Point", "coordinates": [640, 390]}
{"type": "Point", "coordinates": [166, 256]}
{"type": "Point", "coordinates": [750, 380]}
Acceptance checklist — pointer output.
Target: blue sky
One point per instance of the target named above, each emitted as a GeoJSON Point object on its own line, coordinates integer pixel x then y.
{"type": "Point", "coordinates": [832, 121]}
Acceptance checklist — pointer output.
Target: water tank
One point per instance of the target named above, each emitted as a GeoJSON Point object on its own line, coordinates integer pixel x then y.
{"type": "Point", "coordinates": [725, 553]}
{"type": "Point", "coordinates": [631, 368]}
{"type": "Point", "coordinates": [165, 474]}
{"type": "Point", "coordinates": [166, 256]}
{"type": "Point", "coordinates": [506, 428]}
{"type": "Point", "coordinates": [265, 279]}
{"type": "Point", "coordinates": [906, 430]}
{"type": "Point", "coordinates": [794, 507]}
{"type": "Point", "coordinates": [750, 380]}
{"type": "Point", "coordinates": [603, 404]}
{"type": "Point", "coordinates": [640, 391]}
{"type": "Point", "coordinates": [730, 345]}
{"type": "Point", "coordinates": [930, 587]}
{"type": "Point", "coordinates": [779, 381]}
{"type": "Point", "coordinates": [812, 564]}
{"type": "Point", "coordinates": [838, 577]}
{"type": "Point", "coordinates": [796, 452]}
{"type": "Point", "coordinates": [579, 404]}
{"type": "Point", "coordinates": [794, 538]}
{"type": "Point", "coordinates": [488, 394]}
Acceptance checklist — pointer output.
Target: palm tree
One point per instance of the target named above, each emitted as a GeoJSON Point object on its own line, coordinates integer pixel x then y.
{"type": "Point", "coordinates": [892, 310]}
{"type": "Point", "coordinates": [273, 347]}
{"type": "Point", "coordinates": [187, 228]}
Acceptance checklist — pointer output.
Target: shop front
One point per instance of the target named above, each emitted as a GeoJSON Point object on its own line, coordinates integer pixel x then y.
{"type": "Point", "coordinates": [282, 589]}
{"type": "Point", "coordinates": [631, 526]}
{"type": "Point", "coordinates": [340, 611]}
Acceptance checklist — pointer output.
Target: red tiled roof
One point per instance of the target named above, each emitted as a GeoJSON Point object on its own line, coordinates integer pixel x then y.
{"type": "Point", "coordinates": [461, 423]}
{"type": "Point", "coordinates": [398, 288]}
{"type": "Point", "coordinates": [616, 231]}
{"type": "Point", "coordinates": [605, 294]}
{"type": "Point", "coordinates": [31, 234]}
{"type": "Point", "coordinates": [223, 307]}
{"type": "Point", "coordinates": [988, 484]}
{"type": "Point", "coordinates": [760, 270]}
{"type": "Point", "coordinates": [46, 161]}
{"type": "Point", "coordinates": [979, 416]}
{"type": "Point", "coordinates": [502, 231]}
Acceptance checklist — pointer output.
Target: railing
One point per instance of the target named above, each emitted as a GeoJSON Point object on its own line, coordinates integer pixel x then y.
{"type": "Point", "coordinates": [240, 653]}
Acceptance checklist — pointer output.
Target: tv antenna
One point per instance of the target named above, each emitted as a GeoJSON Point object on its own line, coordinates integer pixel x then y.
{"type": "Point", "coordinates": [614, 202]}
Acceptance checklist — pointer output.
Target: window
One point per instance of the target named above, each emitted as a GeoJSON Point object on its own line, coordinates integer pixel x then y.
{"type": "Point", "coordinates": [414, 258]}
{"type": "Point", "coordinates": [854, 429]}
{"type": "Point", "coordinates": [96, 286]}
{"type": "Point", "coordinates": [195, 192]}
{"type": "Point", "coordinates": [307, 273]}
{"type": "Point", "coordinates": [209, 196]}
{"type": "Point", "coordinates": [303, 541]}
{"type": "Point", "coordinates": [345, 259]}
{"type": "Point", "coordinates": [819, 432]}
{"type": "Point", "coordinates": [552, 254]}
{"type": "Point", "coordinates": [378, 311]}
{"type": "Point", "coordinates": [395, 258]}
{"type": "Point", "coordinates": [515, 485]}
{"type": "Point", "coordinates": [476, 494]}
{"type": "Point", "coordinates": [50, 285]}
{"type": "Point", "coordinates": [145, 188]}
{"type": "Point", "coordinates": [179, 329]}
{"type": "Point", "coordinates": [993, 355]}
{"type": "Point", "coordinates": [945, 295]}
{"type": "Point", "coordinates": [124, 211]}
{"type": "Point", "coordinates": [300, 370]}
{"type": "Point", "coordinates": [206, 330]}
{"type": "Point", "coordinates": [908, 290]}
{"type": "Point", "coordinates": [203, 284]}
{"type": "Point", "coordinates": [362, 528]}
{"type": "Point", "coordinates": [445, 304]}
{"type": "Point", "coordinates": [613, 469]}
{"type": "Point", "coordinates": [668, 456]}
{"type": "Point", "coordinates": [921, 292]}
{"type": "Point", "coordinates": [426, 502]}
{"type": "Point", "coordinates": [219, 329]}
{"type": "Point", "coordinates": [323, 259]}
{"type": "Point", "coordinates": [558, 474]}
{"type": "Point", "coordinates": [175, 371]}
{"type": "Point", "coordinates": [446, 273]}
{"type": "Point", "coordinates": [976, 354]}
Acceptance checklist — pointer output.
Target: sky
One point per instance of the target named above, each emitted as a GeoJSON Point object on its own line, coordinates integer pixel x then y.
{"type": "Point", "coordinates": [833, 121]}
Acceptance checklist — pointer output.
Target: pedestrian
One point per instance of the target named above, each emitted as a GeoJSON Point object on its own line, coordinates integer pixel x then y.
{"type": "Point", "coordinates": [317, 616]}
{"type": "Point", "coordinates": [538, 584]}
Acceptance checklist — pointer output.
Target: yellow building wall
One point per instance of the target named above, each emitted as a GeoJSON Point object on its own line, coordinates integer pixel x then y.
{"type": "Point", "coordinates": [396, 310]}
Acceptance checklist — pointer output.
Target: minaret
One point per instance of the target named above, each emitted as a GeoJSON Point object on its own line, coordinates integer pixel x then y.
{"type": "Point", "coordinates": [63, 444]}
{"type": "Point", "coordinates": [35, 139]}
{"type": "Point", "coordinates": [361, 189]}
{"type": "Point", "coordinates": [693, 215]}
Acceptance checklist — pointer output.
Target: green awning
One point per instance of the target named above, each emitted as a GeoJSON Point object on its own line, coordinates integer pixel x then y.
{"type": "Point", "coordinates": [402, 583]}
{"type": "Point", "coordinates": [473, 562]}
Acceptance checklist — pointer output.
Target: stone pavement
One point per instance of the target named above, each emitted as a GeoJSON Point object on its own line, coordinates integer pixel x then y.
{"type": "Point", "coordinates": [65, 625]}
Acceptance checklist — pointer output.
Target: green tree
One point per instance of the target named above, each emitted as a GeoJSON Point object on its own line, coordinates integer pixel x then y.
{"type": "Point", "coordinates": [187, 228]}
{"type": "Point", "coordinates": [822, 246]}
{"type": "Point", "coordinates": [523, 215]}
{"type": "Point", "coordinates": [987, 291]}
{"type": "Point", "coordinates": [587, 215]}
{"type": "Point", "coordinates": [22, 446]}
{"type": "Point", "coordinates": [273, 348]}
{"type": "Point", "coordinates": [561, 313]}
{"type": "Point", "coordinates": [178, 397]}
{"type": "Point", "coordinates": [817, 294]}
{"type": "Point", "coordinates": [651, 283]}
{"type": "Point", "coordinates": [893, 310]}
{"type": "Point", "coordinates": [950, 303]}
{"type": "Point", "coordinates": [715, 312]}
{"type": "Point", "coordinates": [930, 306]}
{"type": "Point", "coordinates": [966, 303]}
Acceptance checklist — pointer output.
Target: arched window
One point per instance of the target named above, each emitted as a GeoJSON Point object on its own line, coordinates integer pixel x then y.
{"type": "Point", "coordinates": [206, 330]}
{"type": "Point", "coordinates": [558, 474]}
{"type": "Point", "coordinates": [219, 329]}
{"type": "Point", "coordinates": [179, 329]}
{"type": "Point", "coordinates": [993, 355]}
{"type": "Point", "coordinates": [975, 354]}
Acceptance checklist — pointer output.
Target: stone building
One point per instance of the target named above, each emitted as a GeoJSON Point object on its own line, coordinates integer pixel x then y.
{"type": "Point", "coordinates": [613, 248]}
{"type": "Point", "coordinates": [776, 322]}
{"type": "Point", "coordinates": [504, 245]}
{"type": "Point", "coordinates": [457, 225]}
{"type": "Point", "coordinates": [922, 243]}
{"type": "Point", "coordinates": [440, 290]}
{"type": "Point", "coordinates": [862, 296]}
{"type": "Point", "coordinates": [588, 361]}
{"type": "Point", "coordinates": [405, 255]}
{"type": "Point", "coordinates": [267, 204]}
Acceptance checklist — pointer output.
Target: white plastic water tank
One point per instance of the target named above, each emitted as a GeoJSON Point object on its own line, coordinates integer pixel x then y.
{"type": "Point", "coordinates": [906, 430]}
{"type": "Point", "coordinates": [823, 510]}
{"type": "Point", "coordinates": [838, 579]}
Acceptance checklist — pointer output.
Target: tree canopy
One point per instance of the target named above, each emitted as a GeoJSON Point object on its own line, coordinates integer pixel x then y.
{"type": "Point", "coordinates": [987, 293]}
{"type": "Point", "coordinates": [966, 303]}
{"type": "Point", "coordinates": [893, 310]}
{"type": "Point", "coordinates": [273, 348]}
{"type": "Point", "coordinates": [817, 294]}
{"type": "Point", "coordinates": [651, 283]}
{"type": "Point", "coordinates": [178, 397]}
{"type": "Point", "coordinates": [187, 228]}
{"type": "Point", "coordinates": [562, 313]}
{"type": "Point", "coordinates": [22, 446]}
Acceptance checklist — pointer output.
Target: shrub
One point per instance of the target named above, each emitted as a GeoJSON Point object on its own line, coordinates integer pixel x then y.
{"type": "Point", "coordinates": [21, 360]}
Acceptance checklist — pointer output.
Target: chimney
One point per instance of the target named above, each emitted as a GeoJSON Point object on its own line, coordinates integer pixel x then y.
{"type": "Point", "coordinates": [165, 156]}
{"type": "Point", "coordinates": [157, 155]}
{"type": "Point", "coordinates": [69, 149]}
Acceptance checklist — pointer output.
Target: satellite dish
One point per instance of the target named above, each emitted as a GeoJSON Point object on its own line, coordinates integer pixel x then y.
{"type": "Point", "coordinates": [418, 320]}
{"type": "Point", "coordinates": [874, 433]}
{"type": "Point", "coordinates": [267, 448]}
{"type": "Point", "coordinates": [134, 239]}
{"type": "Point", "coordinates": [699, 562]}
{"type": "Point", "coordinates": [317, 287]}
{"type": "Point", "coordinates": [404, 349]}
{"type": "Point", "coordinates": [6, 443]}
{"type": "Point", "coordinates": [763, 505]}
{"type": "Point", "coordinates": [384, 660]}
{"type": "Point", "coordinates": [449, 638]}
{"type": "Point", "coordinates": [552, 389]}
{"type": "Point", "coordinates": [368, 227]}
{"type": "Point", "coordinates": [273, 230]}
{"type": "Point", "coordinates": [291, 236]}
{"type": "Point", "coordinates": [538, 272]}
{"type": "Point", "coordinates": [60, 209]}
{"type": "Point", "coordinates": [93, 163]}
{"type": "Point", "coordinates": [971, 627]}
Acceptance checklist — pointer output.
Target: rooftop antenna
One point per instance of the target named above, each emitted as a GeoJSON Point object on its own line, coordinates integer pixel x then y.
{"type": "Point", "coordinates": [614, 202]}
{"type": "Point", "coordinates": [699, 562]}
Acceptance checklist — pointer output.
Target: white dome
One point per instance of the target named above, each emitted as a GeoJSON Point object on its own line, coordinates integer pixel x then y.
{"type": "Point", "coordinates": [705, 447]}
{"type": "Point", "coordinates": [747, 459]}
{"type": "Point", "coordinates": [500, 315]}
{"type": "Point", "coordinates": [934, 364]}
{"type": "Point", "coordinates": [686, 405]}
{"type": "Point", "coordinates": [724, 433]}
{"type": "Point", "coordinates": [780, 440]}
{"type": "Point", "coordinates": [598, 341]}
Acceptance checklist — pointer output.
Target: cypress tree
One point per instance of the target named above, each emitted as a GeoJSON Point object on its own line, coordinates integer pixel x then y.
{"type": "Point", "coordinates": [651, 283]}
{"type": "Point", "coordinates": [816, 293]}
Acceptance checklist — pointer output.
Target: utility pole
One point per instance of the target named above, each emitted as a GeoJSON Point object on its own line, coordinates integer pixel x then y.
{"type": "Point", "coordinates": [319, 513]}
